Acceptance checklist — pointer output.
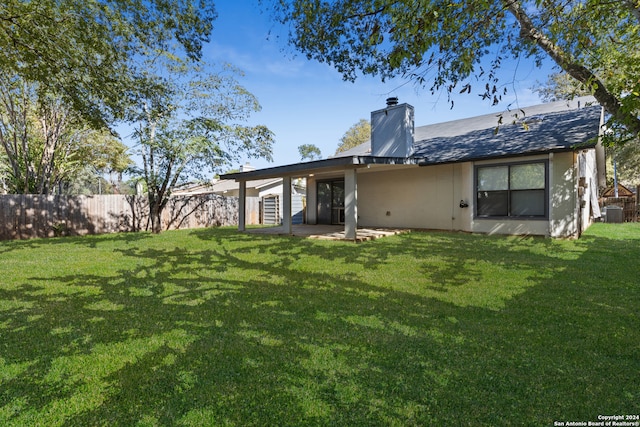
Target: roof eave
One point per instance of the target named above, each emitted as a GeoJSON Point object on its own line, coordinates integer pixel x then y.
{"type": "Point", "coordinates": [426, 162]}
{"type": "Point", "coordinates": [316, 166]}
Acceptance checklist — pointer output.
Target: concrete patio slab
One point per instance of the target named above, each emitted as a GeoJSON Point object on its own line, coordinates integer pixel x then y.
{"type": "Point", "coordinates": [329, 232]}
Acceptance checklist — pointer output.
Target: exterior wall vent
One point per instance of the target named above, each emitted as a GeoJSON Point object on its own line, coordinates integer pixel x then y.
{"type": "Point", "coordinates": [392, 130]}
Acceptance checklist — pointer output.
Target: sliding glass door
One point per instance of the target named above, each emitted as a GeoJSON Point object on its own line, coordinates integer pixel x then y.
{"type": "Point", "coordinates": [330, 202]}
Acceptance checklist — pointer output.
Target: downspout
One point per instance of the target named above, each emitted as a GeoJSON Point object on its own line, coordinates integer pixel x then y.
{"type": "Point", "coordinates": [600, 155]}
{"type": "Point", "coordinates": [453, 190]}
{"type": "Point", "coordinates": [576, 194]}
{"type": "Point", "coordinates": [615, 176]}
{"type": "Point", "coordinates": [550, 222]}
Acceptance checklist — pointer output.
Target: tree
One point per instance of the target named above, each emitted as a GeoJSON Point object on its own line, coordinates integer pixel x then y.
{"type": "Point", "coordinates": [309, 152]}
{"type": "Point", "coordinates": [356, 135]}
{"type": "Point", "coordinates": [452, 45]}
{"type": "Point", "coordinates": [45, 144]}
{"type": "Point", "coordinates": [625, 153]}
{"type": "Point", "coordinates": [87, 51]}
{"type": "Point", "coordinates": [194, 131]}
{"type": "Point", "coordinates": [627, 158]}
{"type": "Point", "coordinates": [560, 86]}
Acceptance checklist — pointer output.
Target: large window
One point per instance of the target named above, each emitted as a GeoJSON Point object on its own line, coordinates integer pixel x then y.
{"type": "Point", "coordinates": [512, 190]}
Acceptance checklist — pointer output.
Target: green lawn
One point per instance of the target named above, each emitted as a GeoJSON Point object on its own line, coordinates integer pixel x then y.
{"type": "Point", "coordinates": [212, 327]}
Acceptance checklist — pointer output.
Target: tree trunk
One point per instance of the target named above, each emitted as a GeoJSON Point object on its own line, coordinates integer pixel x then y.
{"type": "Point", "coordinates": [579, 72]}
{"type": "Point", "coordinates": [155, 211]}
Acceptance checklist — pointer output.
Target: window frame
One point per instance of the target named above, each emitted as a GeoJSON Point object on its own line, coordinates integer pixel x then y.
{"type": "Point", "coordinates": [510, 191]}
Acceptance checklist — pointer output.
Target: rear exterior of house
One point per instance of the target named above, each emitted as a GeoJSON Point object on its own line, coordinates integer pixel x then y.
{"type": "Point", "coordinates": [451, 196]}
{"type": "Point", "coordinates": [536, 176]}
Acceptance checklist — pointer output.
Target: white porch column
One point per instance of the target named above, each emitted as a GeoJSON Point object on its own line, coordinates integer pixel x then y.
{"type": "Point", "coordinates": [312, 201]}
{"type": "Point", "coordinates": [286, 205]}
{"type": "Point", "coordinates": [350, 203]}
{"type": "Point", "coordinates": [242, 205]}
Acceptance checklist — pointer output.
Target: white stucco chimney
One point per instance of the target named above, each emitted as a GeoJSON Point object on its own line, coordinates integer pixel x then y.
{"type": "Point", "coordinates": [247, 168]}
{"type": "Point", "coordinates": [392, 130]}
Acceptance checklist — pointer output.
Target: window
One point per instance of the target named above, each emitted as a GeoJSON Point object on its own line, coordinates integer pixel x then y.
{"type": "Point", "coordinates": [512, 190]}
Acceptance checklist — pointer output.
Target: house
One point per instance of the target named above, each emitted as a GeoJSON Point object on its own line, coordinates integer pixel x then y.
{"type": "Point", "coordinates": [263, 197]}
{"type": "Point", "coordinates": [535, 171]}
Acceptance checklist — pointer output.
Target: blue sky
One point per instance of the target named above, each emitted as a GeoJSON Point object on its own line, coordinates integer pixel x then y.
{"type": "Point", "coordinates": [304, 102]}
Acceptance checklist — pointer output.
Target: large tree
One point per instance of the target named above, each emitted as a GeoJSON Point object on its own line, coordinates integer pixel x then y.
{"type": "Point", "coordinates": [625, 154]}
{"type": "Point", "coordinates": [627, 158]}
{"type": "Point", "coordinates": [357, 134]}
{"type": "Point", "coordinates": [560, 86]}
{"type": "Point", "coordinates": [87, 51]}
{"type": "Point", "coordinates": [309, 152]}
{"type": "Point", "coordinates": [195, 129]}
{"type": "Point", "coordinates": [456, 46]}
{"type": "Point", "coordinates": [44, 144]}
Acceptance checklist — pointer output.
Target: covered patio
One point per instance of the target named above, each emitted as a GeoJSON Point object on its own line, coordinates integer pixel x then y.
{"type": "Point", "coordinates": [344, 168]}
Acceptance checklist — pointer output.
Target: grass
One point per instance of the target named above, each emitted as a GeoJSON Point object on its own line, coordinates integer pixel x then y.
{"type": "Point", "coordinates": [212, 327]}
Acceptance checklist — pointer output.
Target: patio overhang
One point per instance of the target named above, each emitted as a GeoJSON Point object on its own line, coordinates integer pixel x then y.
{"type": "Point", "coordinates": [320, 166]}
{"type": "Point", "coordinates": [346, 166]}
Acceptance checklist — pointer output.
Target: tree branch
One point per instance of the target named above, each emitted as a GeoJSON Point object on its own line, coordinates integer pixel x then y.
{"type": "Point", "coordinates": [579, 72]}
{"type": "Point", "coordinates": [635, 8]}
{"type": "Point", "coordinates": [365, 15]}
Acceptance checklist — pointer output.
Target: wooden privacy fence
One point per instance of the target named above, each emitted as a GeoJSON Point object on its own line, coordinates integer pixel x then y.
{"type": "Point", "coordinates": [27, 216]}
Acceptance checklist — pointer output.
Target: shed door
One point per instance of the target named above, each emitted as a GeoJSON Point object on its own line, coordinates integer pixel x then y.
{"type": "Point", "coordinates": [271, 210]}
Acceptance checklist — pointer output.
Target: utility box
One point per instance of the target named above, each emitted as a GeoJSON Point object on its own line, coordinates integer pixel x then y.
{"type": "Point", "coordinates": [615, 214]}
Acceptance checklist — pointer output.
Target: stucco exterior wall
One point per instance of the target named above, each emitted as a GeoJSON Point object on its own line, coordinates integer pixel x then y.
{"type": "Point", "coordinates": [563, 215]}
{"type": "Point", "coordinates": [415, 197]}
{"type": "Point", "coordinates": [429, 198]}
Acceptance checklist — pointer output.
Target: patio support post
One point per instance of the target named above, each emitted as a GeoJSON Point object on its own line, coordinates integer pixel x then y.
{"type": "Point", "coordinates": [312, 200]}
{"type": "Point", "coordinates": [286, 205]}
{"type": "Point", "coordinates": [242, 205]}
{"type": "Point", "coordinates": [350, 203]}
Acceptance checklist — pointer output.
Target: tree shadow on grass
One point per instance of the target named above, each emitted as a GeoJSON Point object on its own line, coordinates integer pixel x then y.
{"type": "Point", "coordinates": [252, 331]}
{"type": "Point", "coordinates": [89, 241]}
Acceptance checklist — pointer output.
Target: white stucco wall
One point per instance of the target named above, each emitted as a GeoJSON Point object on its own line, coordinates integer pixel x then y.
{"type": "Point", "coordinates": [415, 197]}
{"type": "Point", "coordinates": [563, 215]}
{"type": "Point", "coordinates": [429, 198]}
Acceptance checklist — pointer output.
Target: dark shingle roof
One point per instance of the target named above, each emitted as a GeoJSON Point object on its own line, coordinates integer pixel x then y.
{"type": "Point", "coordinates": [545, 128]}
{"type": "Point", "coordinates": [540, 133]}
{"type": "Point", "coordinates": [554, 126]}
